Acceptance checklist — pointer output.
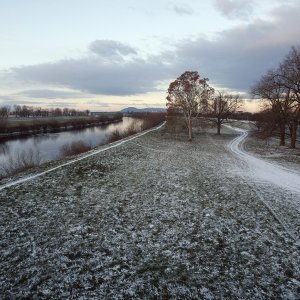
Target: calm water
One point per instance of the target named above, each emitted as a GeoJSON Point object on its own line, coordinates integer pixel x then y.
{"type": "Point", "coordinates": [48, 145]}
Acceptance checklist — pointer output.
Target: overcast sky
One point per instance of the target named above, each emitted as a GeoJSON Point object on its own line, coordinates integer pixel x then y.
{"type": "Point", "coordinates": [106, 55]}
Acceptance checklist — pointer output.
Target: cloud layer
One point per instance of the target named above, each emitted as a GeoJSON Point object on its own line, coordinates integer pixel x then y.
{"type": "Point", "coordinates": [234, 60]}
{"type": "Point", "coordinates": [50, 94]}
{"type": "Point", "coordinates": [109, 72]}
{"type": "Point", "coordinates": [111, 49]}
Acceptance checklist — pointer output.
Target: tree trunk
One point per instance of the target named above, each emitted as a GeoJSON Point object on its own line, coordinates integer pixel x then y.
{"type": "Point", "coordinates": [282, 134]}
{"type": "Point", "coordinates": [219, 127]}
{"type": "Point", "coordinates": [294, 134]}
{"type": "Point", "coordinates": [190, 130]}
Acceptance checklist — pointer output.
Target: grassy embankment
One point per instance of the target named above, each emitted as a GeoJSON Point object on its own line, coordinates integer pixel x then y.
{"type": "Point", "coordinates": [157, 217]}
{"type": "Point", "coordinates": [30, 159]}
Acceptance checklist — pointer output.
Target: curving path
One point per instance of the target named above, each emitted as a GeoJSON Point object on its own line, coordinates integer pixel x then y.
{"type": "Point", "coordinates": [260, 171]}
{"type": "Point", "coordinates": [263, 170]}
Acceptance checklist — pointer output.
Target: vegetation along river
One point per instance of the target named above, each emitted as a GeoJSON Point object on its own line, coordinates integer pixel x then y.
{"type": "Point", "coordinates": [48, 146]}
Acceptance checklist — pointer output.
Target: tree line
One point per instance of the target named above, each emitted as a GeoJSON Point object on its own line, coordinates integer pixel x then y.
{"type": "Point", "coordinates": [31, 111]}
{"type": "Point", "coordinates": [279, 91]}
{"type": "Point", "coordinates": [25, 111]}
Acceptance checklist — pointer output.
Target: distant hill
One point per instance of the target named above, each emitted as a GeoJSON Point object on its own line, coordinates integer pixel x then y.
{"type": "Point", "coordinates": [148, 109]}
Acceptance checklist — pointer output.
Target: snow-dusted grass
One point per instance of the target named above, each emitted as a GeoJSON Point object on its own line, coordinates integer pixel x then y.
{"type": "Point", "coordinates": [155, 217]}
{"type": "Point", "coordinates": [270, 150]}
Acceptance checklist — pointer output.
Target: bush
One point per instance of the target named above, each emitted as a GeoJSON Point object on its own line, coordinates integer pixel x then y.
{"type": "Point", "coordinates": [152, 119]}
{"type": "Point", "coordinates": [115, 136]}
{"type": "Point", "coordinates": [147, 120]}
{"type": "Point", "coordinates": [133, 128]}
{"type": "Point", "coordinates": [74, 148]}
{"type": "Point", "coordinates": [21, 162]}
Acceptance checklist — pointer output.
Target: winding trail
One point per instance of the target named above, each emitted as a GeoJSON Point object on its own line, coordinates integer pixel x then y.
{"type": "Point", "coordinates": [263, 170]}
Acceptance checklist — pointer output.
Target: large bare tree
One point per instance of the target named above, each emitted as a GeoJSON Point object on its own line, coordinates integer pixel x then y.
{"type": "Point", "coordinates": [277, 99]}
{"type": "Point", "coordinates": [280, 90]}
{"type": "Point", "coordinates": [221, 107]}
{"type": "Point", "coordinates": [289, 76]}
{"type": "Point", "coordinates": [187, 94]}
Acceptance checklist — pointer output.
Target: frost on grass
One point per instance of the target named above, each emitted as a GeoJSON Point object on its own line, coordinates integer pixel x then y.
{"type": "Point", "coordinates": [156, 217]}
{"type": "Point", "coordinates": [270, 150]}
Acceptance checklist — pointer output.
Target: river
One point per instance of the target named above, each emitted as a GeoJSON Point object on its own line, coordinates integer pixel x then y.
{"type": "Point", "coordinates": [48, 146]}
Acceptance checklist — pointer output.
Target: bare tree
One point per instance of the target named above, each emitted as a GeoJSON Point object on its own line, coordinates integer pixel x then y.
{"type": "Point", "coordinates": [57, 112]}
{"type": "Point", "coordinates": [280, 90]}
{"type": "Point", "coordinates": [4, 112]}
{"type": "Point", "coordinates": [289, 75]}
{"type": "Point", "coordinates": [278, 100]}
{"type": "Point", "coordinates": [17, 110]}
{"type": "Point", "coordinates": [186, 94]}
{"type": "Point", "coordinates": [221, 107]}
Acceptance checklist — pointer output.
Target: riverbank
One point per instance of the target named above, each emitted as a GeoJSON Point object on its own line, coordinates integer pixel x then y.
{"type": "Point", "coordinates": [15, 127]}
{"type": "Point", "coordinates": [154, 217]}
{"type": "Point", "coordinates": [26, 152]}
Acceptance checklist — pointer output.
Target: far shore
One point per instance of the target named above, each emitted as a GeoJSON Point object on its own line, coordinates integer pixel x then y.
{"type": "Point", "coordinates": [35, 125]}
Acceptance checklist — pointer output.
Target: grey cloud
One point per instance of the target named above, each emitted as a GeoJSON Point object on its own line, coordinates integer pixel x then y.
{"type": "Point", "coordinates": [180, 8]}
{"type": "Point", "coordinates": [235, 59]}
{"type": "Point", "coordinates": [11, 100]}
{"type": "Point", "coordinates": [14, 99]}
{"type": "Point", "coordinates": [234, 8]}
{"type": "Point", "coordinates": [51, 94]}
{"type": "Point", "coordinates": [95, 76]}
{"type": "Point", "coordinates": [110, 48]}
{"type": "Point", "coordinates": [241, 55]}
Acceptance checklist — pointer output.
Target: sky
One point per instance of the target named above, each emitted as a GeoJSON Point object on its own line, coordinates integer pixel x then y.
{"type": "Point", "coordinates": [106, 55]}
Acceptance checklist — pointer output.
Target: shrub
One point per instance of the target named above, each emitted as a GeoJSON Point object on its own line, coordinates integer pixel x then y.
{"type": "Point", "coordinates": [115, 136]}
{"type": "Point", "coordinates": [133, 128]}
{"type": "Point", "coordinates": [74, 148]}
{"type": "Point", "coordinates": [146, 121]}
{"type": "Point", "coordinates": [152, 119]}
{"type": "Point", "coordinates": [21, 162]}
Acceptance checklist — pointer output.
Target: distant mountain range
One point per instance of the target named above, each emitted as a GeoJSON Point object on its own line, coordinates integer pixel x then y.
{"type": "Point", "coordinates": [148, 109]}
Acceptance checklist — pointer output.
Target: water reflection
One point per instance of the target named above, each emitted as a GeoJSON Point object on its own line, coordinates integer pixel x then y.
{"type": "Point", "coordinates": [49, 145]}
{"type": "Point", "coordinates": [4, 149]}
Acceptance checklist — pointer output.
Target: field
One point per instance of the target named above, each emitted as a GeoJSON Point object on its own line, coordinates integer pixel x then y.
{"type": "Point", "coordinates": [155, 217]}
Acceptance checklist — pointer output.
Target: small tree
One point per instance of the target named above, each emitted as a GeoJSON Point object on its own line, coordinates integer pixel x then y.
{"type": "Point", "coordinates": [222, 107]}
{"type": "Point", "coordinates": [187, 94]}
{"type": "Point", "coordinates": [4, 112]}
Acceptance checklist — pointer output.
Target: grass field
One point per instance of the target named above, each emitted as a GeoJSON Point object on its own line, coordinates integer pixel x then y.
{"type": "Point", "coordinates": [157, 217]}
